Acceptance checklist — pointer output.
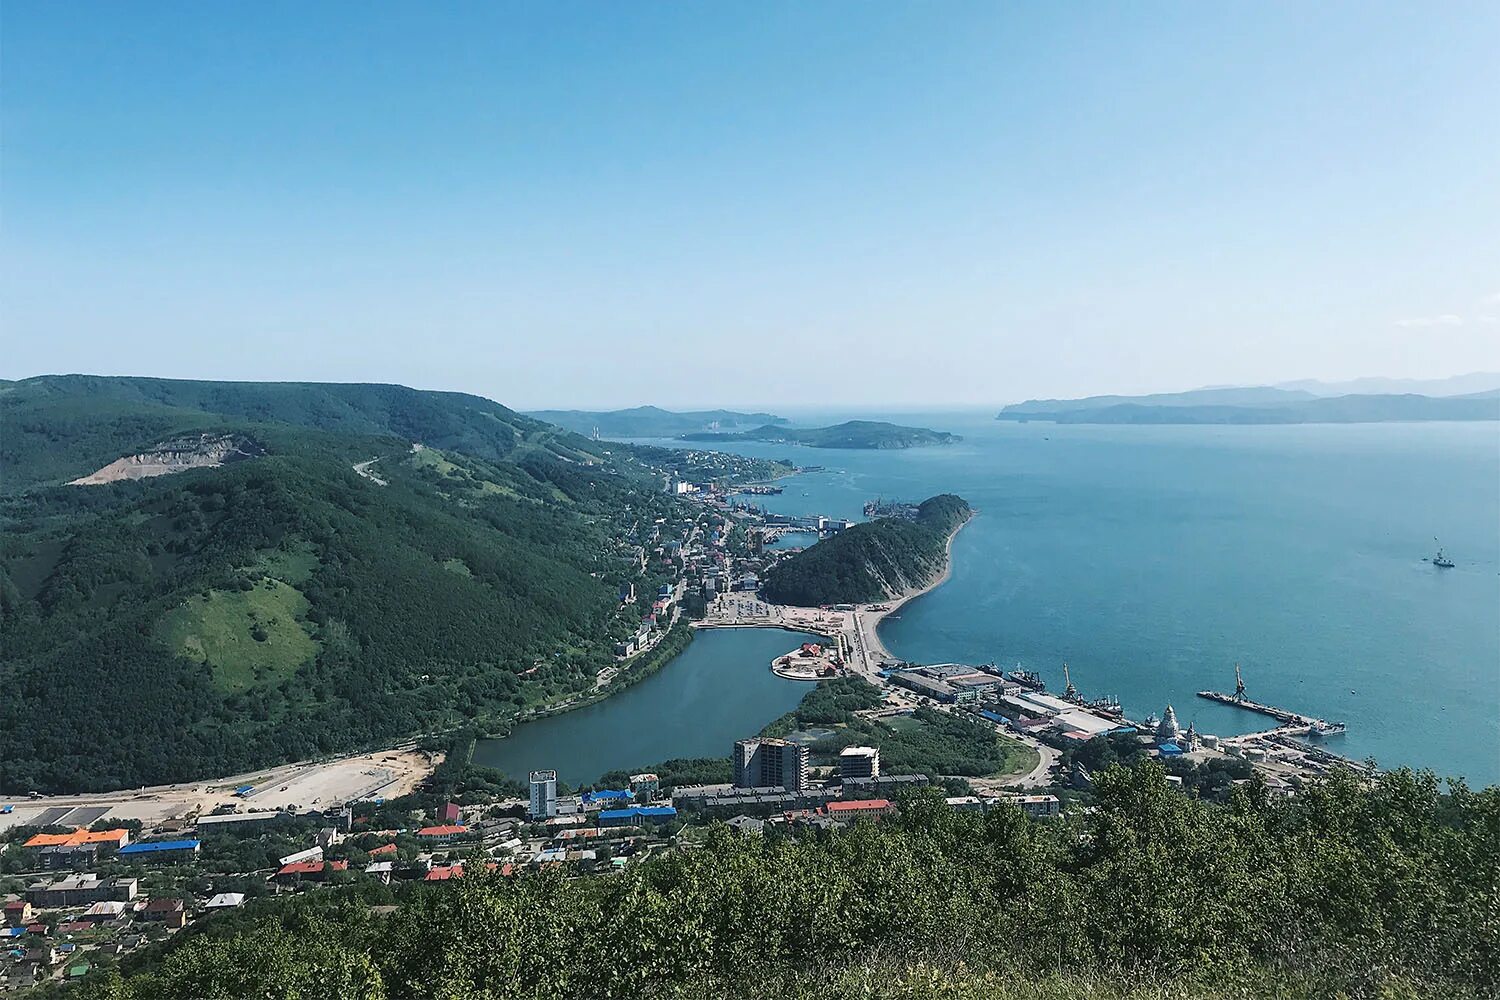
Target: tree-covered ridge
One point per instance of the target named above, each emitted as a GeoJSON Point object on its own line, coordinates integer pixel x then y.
{"type": "Point", "coordinates": [220, 619]}
{"type": "Point", "coordinates": [874, 561]}
{"type": "Point", "coordinates": [650, 421]}
{"type": "Point", "coordinates": [1353, 890]}
{"type": "Point", "coordinates": [61, 424]}
{"type": "Point", "coordinates": [859, 434]}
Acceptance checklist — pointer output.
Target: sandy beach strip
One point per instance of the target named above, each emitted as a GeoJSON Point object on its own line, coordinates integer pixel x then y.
{"type": "Point", "coordinates": [869, 621]}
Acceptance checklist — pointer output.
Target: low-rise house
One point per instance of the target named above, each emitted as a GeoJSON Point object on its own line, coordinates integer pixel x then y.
{"type": "Point", "coordinates": [165, 910]}
{"type": "Point", "coordinates": [17, 912]}
{"type": "Point", "coordinates": [225, 901]}
{"type": "Point", "coordinates": [105, 911]}
{"type": "Point", "coordinates": [44, 955]}
{"type": "Point", "coordinates": [745, 824]}
{"type": "Point", "coordinates": [311, 871]}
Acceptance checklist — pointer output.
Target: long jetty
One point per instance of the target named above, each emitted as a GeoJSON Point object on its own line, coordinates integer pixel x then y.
{"type": "Point", "coordinates": [1282, 715]}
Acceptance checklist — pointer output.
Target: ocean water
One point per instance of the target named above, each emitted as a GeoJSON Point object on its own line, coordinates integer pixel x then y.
{"type": "Point", "coordinates": [1152, 559]}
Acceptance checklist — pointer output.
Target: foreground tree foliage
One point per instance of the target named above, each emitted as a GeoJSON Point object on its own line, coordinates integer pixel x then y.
{"type": "Point", "coordinates": [1388, 890]}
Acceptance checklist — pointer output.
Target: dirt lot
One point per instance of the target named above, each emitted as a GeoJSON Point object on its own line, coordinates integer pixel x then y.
{"type": "Point", "coordinates": [306, 785]}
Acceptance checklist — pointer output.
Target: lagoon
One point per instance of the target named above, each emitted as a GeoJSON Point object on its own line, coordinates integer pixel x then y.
{"type": "Point", "coordinates": [718, 690]}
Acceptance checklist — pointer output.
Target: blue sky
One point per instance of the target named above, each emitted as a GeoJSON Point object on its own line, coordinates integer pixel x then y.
{"type": "Point", "coordinates": [831, 203]}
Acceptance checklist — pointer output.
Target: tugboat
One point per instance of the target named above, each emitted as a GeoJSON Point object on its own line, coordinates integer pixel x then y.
{"type": "Point", "coordinates": [1441, 561]}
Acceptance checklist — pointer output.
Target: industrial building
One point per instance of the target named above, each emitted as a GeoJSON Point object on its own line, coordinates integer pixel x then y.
{"type": "Point", "coordinates": [770, 763]}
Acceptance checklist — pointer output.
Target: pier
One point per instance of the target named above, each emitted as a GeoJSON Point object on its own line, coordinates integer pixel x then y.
{"type": "Point", "coordinates": [1287, 718]}
{"type": "Point", "coordinates": [1282, 715]}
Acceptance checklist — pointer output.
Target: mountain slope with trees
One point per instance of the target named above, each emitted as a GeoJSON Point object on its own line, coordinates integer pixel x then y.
{"type": "Point", "coordinates": [874, 561]}
{"type": "Point", "coordinates": [284, 606]}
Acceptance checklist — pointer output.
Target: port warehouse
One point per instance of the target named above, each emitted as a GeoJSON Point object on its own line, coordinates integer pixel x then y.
{"type": "Point", "coordinates": [1021, 708]}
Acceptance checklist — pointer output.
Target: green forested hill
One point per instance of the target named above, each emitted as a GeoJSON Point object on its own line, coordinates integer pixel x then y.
{"type": "Point", "coordinates": [58, 423]}
{"type": "Point", "coordinates": [872, 561]}
{"type": "Point", "coordinates": [219, 619]}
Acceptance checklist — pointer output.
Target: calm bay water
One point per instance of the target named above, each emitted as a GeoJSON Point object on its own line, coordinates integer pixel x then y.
{"type": "Point", "coordinates": [1151, 559]}
{"type": "Point", "coordinates": [718, 690]}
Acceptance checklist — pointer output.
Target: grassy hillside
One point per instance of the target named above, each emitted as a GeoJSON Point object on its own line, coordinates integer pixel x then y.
{"type": "Point", "coordinates": [873, 561]}
{"type": "Point", "coordinates": [1346, 891]}
{"type": "Point", "coordinates": [285, 606]}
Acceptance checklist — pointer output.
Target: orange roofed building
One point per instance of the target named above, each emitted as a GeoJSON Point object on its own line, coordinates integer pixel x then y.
{"type": "Point", "coordinates": [79, 837]}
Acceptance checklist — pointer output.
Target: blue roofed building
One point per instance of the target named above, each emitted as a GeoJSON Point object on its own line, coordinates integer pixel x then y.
{"type": "Point", "coordinates": [637, 815]}
{"type": "Point", "coordinates": [148, 851]}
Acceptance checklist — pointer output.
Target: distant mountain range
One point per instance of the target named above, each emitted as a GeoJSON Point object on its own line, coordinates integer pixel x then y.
{"type": "Point", "coordinates": [651, 421]}
{"type": "Point", "coordinates": [1291, 403]}
{"type": "Point", "coordinates": [855, 434]}
{"type": "Point", "coordinates": [1455, 385]}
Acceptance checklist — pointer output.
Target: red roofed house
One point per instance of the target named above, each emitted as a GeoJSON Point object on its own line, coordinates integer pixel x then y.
{"type": "Point", "coordinates": [451, 813]}
{"type": "Point", "coordinates": [17, 913]}
{"type": "Point", "coordinates": [859, 807]}
{"type": "Point", "coordinates": [443, 873]}
{"type": "Point", "coordinates": [442, 834]}
{"type": "Point", "coordinates": [313, 871]}
{"type": "Point", "coordinates": [376, 852]}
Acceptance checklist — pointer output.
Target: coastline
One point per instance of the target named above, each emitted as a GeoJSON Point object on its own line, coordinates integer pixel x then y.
{"type": "Point", "coordinates": [867, 622]}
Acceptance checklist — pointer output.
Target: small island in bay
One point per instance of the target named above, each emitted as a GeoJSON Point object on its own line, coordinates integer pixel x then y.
{"type": "Point", "coordinates": [855, 434]}
{"type": "Point", "coordinates": [884, 559]}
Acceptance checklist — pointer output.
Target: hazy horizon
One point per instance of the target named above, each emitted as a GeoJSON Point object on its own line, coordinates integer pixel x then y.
{"type": "Point", "coordinates": [837, 205]}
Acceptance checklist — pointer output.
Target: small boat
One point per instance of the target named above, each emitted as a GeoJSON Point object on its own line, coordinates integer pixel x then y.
{"type": "Point", "coordinates": [1441, 560]}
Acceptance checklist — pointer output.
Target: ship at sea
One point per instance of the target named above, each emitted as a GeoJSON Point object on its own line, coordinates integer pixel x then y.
{"type": "Point", "coordinates": [1441, 560]}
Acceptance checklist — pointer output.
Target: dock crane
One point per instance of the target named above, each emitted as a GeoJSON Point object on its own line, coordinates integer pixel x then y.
{"type": "Point", "coordinates": [1069, 691]}
{"type": "Point", "coordinates": [1239, 684]}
